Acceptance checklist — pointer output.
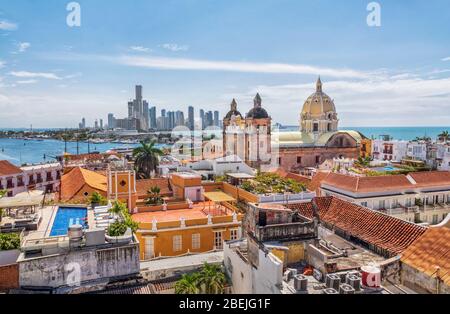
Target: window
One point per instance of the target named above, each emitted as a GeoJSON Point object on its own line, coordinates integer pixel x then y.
{"type": "Point", "coordinates": [299, 159]}
{"type": "Point", "coordinates": [85, 193]}
{"type": "Point", "coordinates": [218, 240]}
{"type": "Point", "coordinates": [364, 204]}
{"type": "Point", "coordinates": [177, 243]}
{"type": "Point", "coordinates": [435, 219]}
{"type": "Point", "coordinates": [149, 248]}
{"type": "Point", "coordinates": [316, 127]}
{"type": "Point", "coordinates": [233, 234]}
{"type": "Point", "coordinates": [382, 204]}
{"type": "Point", "coordinates": [279, 160]}
{"type": "Point", "coordinates": [317, 159]}
{"type": "Point", "coordinates": [196, 241]}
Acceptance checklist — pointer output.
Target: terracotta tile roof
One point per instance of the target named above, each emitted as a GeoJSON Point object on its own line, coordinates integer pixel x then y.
{"type": "Point", "coordinates": [142, 186]}
{"type": "Point", "coordinates": [73, 181]}
{"type": "Point", "coordinates": [7, 168]}
{"type": "Point", "coordinates": [389, 234]}
{"type": "Point", "coordinates": [431, 178]}
{"type": "Point", "coordinates": [316, 181]}
{"type": "Point", "coordinates": [367, 184]}
{"type": "Point", "coordinates": [430, 251]}
{"type": "Point", "coordinates": [294, 176]}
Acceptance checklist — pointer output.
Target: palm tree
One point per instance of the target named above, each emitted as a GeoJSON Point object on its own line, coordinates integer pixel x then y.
{"type": "Point", "coordinates": [154, 196]}
{"type": "Point", "coordinates": [146, 159]}
{"type": "Point", "coordinates": [212, 279]}
{"type": "Point", "coordinates": [444, 136]}
{"type": "Point", "coordinates": [2, 193]}
{"type": "Point", "coordinates": [188, 284]}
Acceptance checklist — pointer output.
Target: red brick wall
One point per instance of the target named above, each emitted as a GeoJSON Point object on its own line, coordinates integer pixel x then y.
{"type": "Point", "coordinates": [9, 277]}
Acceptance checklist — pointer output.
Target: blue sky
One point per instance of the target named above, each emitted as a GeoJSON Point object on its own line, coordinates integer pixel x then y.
{"type": "Point", "coordinates": [204, 53]}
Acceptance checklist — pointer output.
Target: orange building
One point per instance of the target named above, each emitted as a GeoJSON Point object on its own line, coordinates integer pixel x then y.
{"type": "Point", "coordinates": [79, 184]}
{"type": "Point", "coordinates": [202, 228]}
{"type": "Point", "coordinates": [122, 187]}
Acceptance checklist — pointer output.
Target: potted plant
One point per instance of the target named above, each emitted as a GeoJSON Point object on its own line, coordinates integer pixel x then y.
{"type": "Point", "coordinates": [97, 199]}
{"type": "Point", "coordinates": [154, 196]}
{"type": "Point", "coordinates": [121, 231]}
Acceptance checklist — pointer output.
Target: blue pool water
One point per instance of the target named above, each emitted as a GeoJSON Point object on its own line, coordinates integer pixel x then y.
{"type": "Point", "coordinates": [67, 216]}
{"type": "Point", "coordinates": [387, 169]}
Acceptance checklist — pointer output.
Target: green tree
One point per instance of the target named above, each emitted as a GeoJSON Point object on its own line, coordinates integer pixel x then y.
{"type": "Point", "coordinates": [146, 159]}
{"type": "Point", "coordinates": [212, 278]}
{"type": "Point", "coordinates": [188, 284]}
{"type": "Point", "coordinates": [154, 196]}
{"type": "Point", "coordinates": [97, 199]}
{"type": "Point", "coordinates": [444, 136]}
{"type": "Point", "coordinates": [2, 194]}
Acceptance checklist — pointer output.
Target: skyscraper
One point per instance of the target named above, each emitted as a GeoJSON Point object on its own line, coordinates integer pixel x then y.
{"type": "Point", "coordinates": [145, 114]}
{"type": "Point", "coordinates": [191, 118]}
{"type": "Point", "coordinates": [179, 118]}
{"type": "Point", "coordinates": [152, 117]}
{"type": "Point", "coordinates": [209, 119]}
{"type": "Point", "coordinates": [101, 124]}
{"type": "Point", "coordinates": [202, 118]}
{"type": "Point", "coordinates": [111, 121]}
{"type": "Point", "coordinates": [216, 118]}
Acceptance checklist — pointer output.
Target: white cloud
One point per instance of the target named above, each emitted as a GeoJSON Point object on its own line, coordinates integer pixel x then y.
{"type": "Point", "coordinates": [2, 64]}
{"type": "Point", "coordinates": [175, 47]}
{"type": "Point", "coordinates": [234, 66]}
{"type": "Point", "coordinates": [446, 59]}
{"type": "Point", "coordinates": [140, 49]}
{"type": "Point", "coordinates": [26, 74]}
{"type": "Point", "coordinates": [23, 46]}
{"type": "Point", "coordinates": [27, 82]}
{"type": "Point", "coordinates": [7, 26]}
{"type": "Point", "coordinates": [393, 102]}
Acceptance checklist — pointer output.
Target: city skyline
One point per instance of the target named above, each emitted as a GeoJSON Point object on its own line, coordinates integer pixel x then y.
{"type": "Point", "coordinates": [50, 72]}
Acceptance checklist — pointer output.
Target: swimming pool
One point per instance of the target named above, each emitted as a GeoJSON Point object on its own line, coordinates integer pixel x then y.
{"type": "Point", "coordinates": [67, 216]}
{"type": "Point", "coordinates": [386, 169]}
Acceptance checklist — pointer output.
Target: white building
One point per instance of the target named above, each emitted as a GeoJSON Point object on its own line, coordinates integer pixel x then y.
{"type": "Point", "coordinates": [443, 156]}
{"type": "Point", "coordinates": [417, 150]}
{"type": "Point", "coordinates": [421, 197]}
{"type": "Point", "coordinates": [389, 150]}
{"type": "Point", "coordinates": [219, 166]}
{"type": "Point", "coordinates": [252, 271]}
{"type": "Point", "coordinates": [14, 180]}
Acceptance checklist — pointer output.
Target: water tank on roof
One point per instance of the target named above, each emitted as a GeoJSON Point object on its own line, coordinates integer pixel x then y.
{"type": "Point", "coordinates": [346, 289]}
{"type": "Point", "coordinates": [300, 283]}
{"type": "Point", "coordinates": [371, 276]}
{"type": "Point", "coordinates": [333, 281]}
{"type": "Point", "coordinates": [330, 291]}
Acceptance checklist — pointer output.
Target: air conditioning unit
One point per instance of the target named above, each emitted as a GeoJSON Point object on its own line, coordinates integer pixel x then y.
{"type": "Point", "coordinates": [300, 283]}
{"type": "Point", "coordinates": [333, 281]}
{"type": "Point", "coordinates": [346, 289]}
{"type": "Point", "coordinates": [330, 291]}
{"type": "Point", "coordinates": [354, 281]}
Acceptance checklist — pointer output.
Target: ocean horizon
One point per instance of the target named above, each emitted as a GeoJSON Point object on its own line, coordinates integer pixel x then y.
{"type": "Point", "coordinates": [19, 151]}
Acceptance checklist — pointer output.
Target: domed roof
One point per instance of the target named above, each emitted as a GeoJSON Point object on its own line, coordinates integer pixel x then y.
{"type": "Point", "coordinates": [257, 112]}
{"type": "Point", "coordinates": [233, 111]}
{"type": "Point", "coordinates": [319, 102]}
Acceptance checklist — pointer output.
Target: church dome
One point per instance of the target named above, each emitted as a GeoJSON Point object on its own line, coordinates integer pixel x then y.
{"type": "Point", "coordinates": [233, 111]}
{"type": "Point", "coordinates": [318, 103]}
{"type": "Point", "coordinates": [257, 112]}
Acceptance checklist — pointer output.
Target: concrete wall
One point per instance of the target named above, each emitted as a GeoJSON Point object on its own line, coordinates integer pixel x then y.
{"type": "Point", "coordinates": [95, 264]}
{"type": "Point", "coordinates": [420, 281]}
{"type": "Point", "coordinates": [268, 277]}
{"type": "Point", "coordinates": [238, 270]}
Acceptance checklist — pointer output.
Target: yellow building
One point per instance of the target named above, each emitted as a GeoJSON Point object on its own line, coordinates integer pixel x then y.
{"type": "Point", "coordinates": [366, 148]}
{"type": "Point", "coordinates": [176, 232]}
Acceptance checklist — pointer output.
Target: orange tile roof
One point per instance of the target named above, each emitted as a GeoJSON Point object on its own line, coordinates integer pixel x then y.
{"type": "Point", "coordinates": [7, 168]}
{"type": "Point", "coordinates": [431, 178]}
{"type": "Point", "coordinates": [316, 181]}
{"type": "Point", "coordinates": [367, 184]}
{"type": "Point", "coordinates": [142, 186]}
{"type": "Point", "coordinates": [73, 181]}
{"type": "Point", "coordinates": [387, 233]}
{"type": "Point", "coordinates": [430, 251]}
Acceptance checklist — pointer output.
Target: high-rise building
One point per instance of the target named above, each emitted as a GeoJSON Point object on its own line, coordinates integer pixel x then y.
{"type": "Point", "coordinates": [152, 118]}
{"type": "Point", "coordinates": [111, 121]}
{"type": "Point", "coordinates": [130, 109]}
{"type": "Point", "coordinates": [191, 118]}
{"type": "Point", "coordinates": [145, 114]}
{"type": "Point", "coordinates": [202, 118]}
{"type": "Point", "coordinates": [101, 124]}
{"type": "Point", "coordinates": [216, 118]}
{"type": "Point", "coordinates": [179, 118]}
{"type": "Point", "coordinates": [96, 124]}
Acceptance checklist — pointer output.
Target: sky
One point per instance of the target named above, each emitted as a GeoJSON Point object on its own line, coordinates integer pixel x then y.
{"type": "Point", "coordinates": [204, 53]}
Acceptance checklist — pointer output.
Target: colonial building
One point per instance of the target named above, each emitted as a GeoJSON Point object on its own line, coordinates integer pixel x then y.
{"type": "Point", "coordinates": [317, 140]}
{"type": "Point", "coordinates": [248, 138]}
